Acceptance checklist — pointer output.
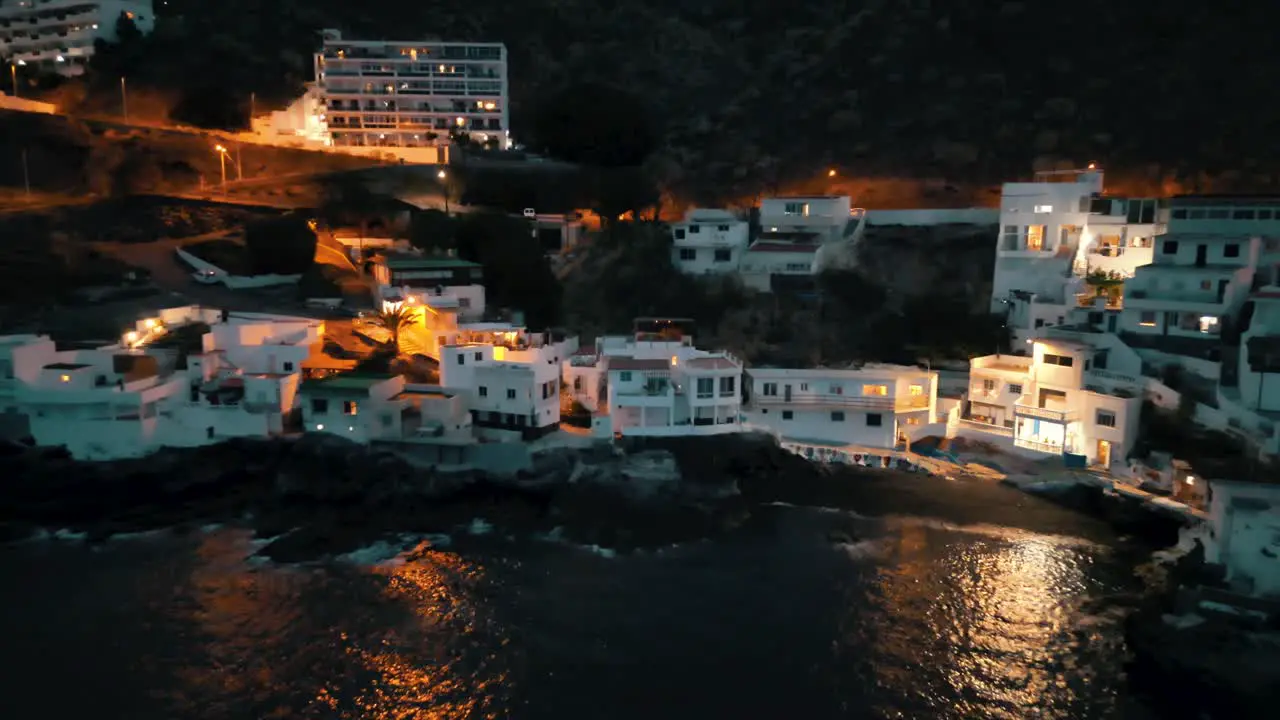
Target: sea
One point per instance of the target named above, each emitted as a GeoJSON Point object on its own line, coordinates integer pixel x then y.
{"type": "Point", "coordinates": [995, 606]}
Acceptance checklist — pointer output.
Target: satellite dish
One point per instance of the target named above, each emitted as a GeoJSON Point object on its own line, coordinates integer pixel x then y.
{"type": "Point", "coordinates": [528, 212]}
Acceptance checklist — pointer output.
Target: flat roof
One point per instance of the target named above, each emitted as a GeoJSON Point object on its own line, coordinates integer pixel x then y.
{"type": "Point", "coordinates": [622, 362]}
{"type": "Point", "coordinates": [878, 372]}
{"type": "Point", "coordinates": [66, 366]}
{"type": "Point", "coordinates": [779, 247]}
{"type": "Point", "coordinates": [346, 381]}
{"type": "Point", "coordinates": [427, 263]}
{"type": "Point", "coordinates": [712, 363]}
{"type": "Point", "coordinates": [423, 393]}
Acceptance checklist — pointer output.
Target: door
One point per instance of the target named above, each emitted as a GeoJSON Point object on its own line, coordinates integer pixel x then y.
{"type": "Point", "coordinates": [1104, 453]}
{"type": "Point", "coordinates": [1222, 290]}
{"type": "Point", "coordinates": [1202, 255]}
{"type": "Point", "coordinates": [786, 393]}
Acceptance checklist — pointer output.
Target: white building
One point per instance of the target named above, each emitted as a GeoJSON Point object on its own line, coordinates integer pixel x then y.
{"type": "Point", "coordinates": [412, 93]}
{"type": "Point", "coordinates": [511, 382]}
{"type": "Point", "coordinates": [827, 216]}
{"type": "Point", "coordinates": [1055, 402]}
{"type": "Point", "coordinates": [875, 406]}
{"type": "Point", "coordinates": [1055, 234]}
{"type": "Point", "coordinates": [655, 382]}
{"type": "Point", "coordinates": [57, 36]}
{"type": "Point", "coordinates": [1244, 524]}
{"type": "Point", "coordinates": [772, 257]}
{"type": "Point", "coordinates": [709, 242]}
{"type": "Point", "coordinates": [446, 283]}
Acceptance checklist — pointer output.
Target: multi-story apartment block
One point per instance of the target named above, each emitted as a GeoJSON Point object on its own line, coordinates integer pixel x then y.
{"type": "Point", "coordinates": [655, 382]}
{"type": "Point", "coordinates": [412, 94]}
{"type": "Point", "coordinates": [1058, 234]}
{"type": "Point", "coordinates": [875, 406]}
{"type": "Point", "coordinates": [709, 242]}
{"type": "Point", "coordinates": [58, 35]}
{"type": "Point", "coordinates": [1055, 402]}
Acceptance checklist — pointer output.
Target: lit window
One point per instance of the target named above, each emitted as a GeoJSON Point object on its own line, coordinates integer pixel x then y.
{"type": "Point", "coordinates": [349, 407]}
{"type": "Point", "coordinates": [916, 390]}
{"type": "Point", "coordinates": [881, 390]}
{"type": "Point", "coordinates": [1147, 318]}
{"type": "Point", "coordinates": [1044, 208]}
{"type": "Point", "coordinates": [1035, 237]}
{"type": "Point", "coordinates": [66, 378]}
{"type": "Point", "coordinates": [1106, 418]}
{"type": "Point", "coordinates": [1208, 324]}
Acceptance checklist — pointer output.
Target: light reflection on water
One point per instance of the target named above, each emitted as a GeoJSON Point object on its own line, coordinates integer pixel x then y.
{"type": "Point", "coordinates": [937, 622]}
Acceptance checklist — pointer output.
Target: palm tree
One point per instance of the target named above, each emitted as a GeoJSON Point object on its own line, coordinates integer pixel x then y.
{"type": "Point", "coordinates": [395, 320]}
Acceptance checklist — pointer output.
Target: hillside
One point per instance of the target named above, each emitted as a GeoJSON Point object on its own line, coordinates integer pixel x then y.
{"type": "Point", "coordinates": [73, 157]}
{"type": "Point", "coordinates": [752, 93]}
{"type": "Point", "coordinates": [951, 261]}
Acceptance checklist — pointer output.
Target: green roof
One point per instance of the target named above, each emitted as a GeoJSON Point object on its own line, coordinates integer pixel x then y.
{"type": "Point", "coordinates": [428, 263]}
{"type": "Point", "coordinates": [345, 382]}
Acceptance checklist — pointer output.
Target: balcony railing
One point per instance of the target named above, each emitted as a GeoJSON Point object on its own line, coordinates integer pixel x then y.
{"type": "Point", "coordinates": [987, 427]}
{"type": "Point", "coordinates": [1058, 416]}
{"type": "Point", "coordinates": [886, 404]}
{"type": "Point", "coordinates": [1038, 446]}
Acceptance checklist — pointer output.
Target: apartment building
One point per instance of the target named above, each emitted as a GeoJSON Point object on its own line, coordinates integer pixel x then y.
{"type": "Point", "coordinates": [1059, 234]}
{"type": "Point", "coordinates": [709, 242]}
{"type": "Point", "coordinates": [1054, 402]}
{"type": "Point", "coordinates": [57, 36]}
{"type": "Point", "coordinates": [412, 93]}
{"type": "Point", "coordinates": [876, 406]}
{"type": "Point", "coordinates": [656, 382]}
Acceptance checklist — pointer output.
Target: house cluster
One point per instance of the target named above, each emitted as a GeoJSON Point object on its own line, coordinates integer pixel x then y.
{"type": "Point", "coordinates": [786, 240]}
{"type": "Point", "coordinates": [1113, 296]}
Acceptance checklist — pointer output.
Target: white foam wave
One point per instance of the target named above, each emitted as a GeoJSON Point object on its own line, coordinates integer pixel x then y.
{"type": "Point", "coordinates": [69, 535]}
{"type": "Point", "coordinates": [999, 532]}
{"type": "Point", "coordinates": [479, 526]}
{"type": "Point", "coordinates": [375, 554]}
{"type": "Point", "coordinates": [862, 549]}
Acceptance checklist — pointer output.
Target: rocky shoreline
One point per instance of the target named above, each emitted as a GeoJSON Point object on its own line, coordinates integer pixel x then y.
{"type": "Point", "coordinates": [319, 495]}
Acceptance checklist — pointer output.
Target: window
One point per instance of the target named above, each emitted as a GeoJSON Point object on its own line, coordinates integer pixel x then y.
{"type": "Point", "coordinates": [880, 390]}
{"type": "Point", "coordinates": [1231, 250]}
{"type": "Point", "coordinates": [787, 414]}
{"type": "Point", "coordinates": [1218, 214]}
{"type": "Point", "coordinates": [1015, 388]}
{"type": "Point", "coordinates": [349, 407]}
{"type": "Point", "coordinates": [1180, 214]}
{"type": "Point", "coordinates": [837, 389]}
{"type": "Point", "coordinates": [1147, 318]}
{"type": "Point", "coordinates": [769, 389]}
{"type": "Point", "coordinates": [1195, 214]}
{"type": "Point", "coordinates": [484, 391]}
{"type": "Point", "coordinates": [1106, 418]}
{"type": "Point", "coordinates": [1242, 215]}
{"type": "Point", "coordinates": [511, 394]}
{"type": "Point", "coordinates": [695, 229]}
{"type": "Point", "coordinates": [1035, 237]}
{"type": "Point", "coordinates": [1206, 284]}
{"type": "Point", "coordinates": [288, 367]}
{"type": "Point", "coordinates": [462, 360]}
{"type": "Point", "coordinates": [1264, 214]}
{"type": "Point", "coordinates": [837, 416]}
{"type": "Point", "coordinates": [875, 420]}
{"type": "Point", "coordinates": [319, 406]}
{"type": "Point", "coordinates": [988, 385]}
{"type": "Point", "coordinates": [464, 302]}
{"type": "Point", "coordinates": [913, 420]}
{"type": "Point", "coordinates": [706, 387]}
{"type": "Point", "coordinates": [688, 254]}
{"type": "Point", "coordinates": [796, 208]}
{"type": "Point", "coordinates": [722, 228]}
{"type": "Point", "coordinates": [624, 376]}
{"type": "Point", "coordinates": [577, 383]}
{"type": "Point", "coordinates": [723, 255]}
{"type": "Point", "coordinates": [679, 233]}
{"type": "Point", "coordinates": [1059, 360]}
{"type": "Point", "coordinates": [479, 356]}
{"type": "Point", "coordinates": [727, 386]}
{"type": "Point", "coordinates": [386, 420]}
{"type": "Point", "coordinates": [1169, 247]}
{"type": "Point", "coordinates": [915, 390]}
{"type": "Point", "coordinates": [804, 387]}
{"type": "Point", "coordinates": [1044, 208]}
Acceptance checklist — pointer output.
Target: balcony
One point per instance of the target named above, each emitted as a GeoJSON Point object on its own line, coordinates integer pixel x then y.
{"type": "Point", "coordinates": [1001, 430]}
{"type": "Point", "coordinates": [1050, 414]}
{"type": "Point", "coordinates": [1203, 302]}
{"type": "Point", "coordinates": [1038, 446]}
{"type": "Point", "coordinates": [858, 402]}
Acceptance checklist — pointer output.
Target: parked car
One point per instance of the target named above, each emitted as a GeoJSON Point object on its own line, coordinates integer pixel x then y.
{"type": "Point", "coordinates": [205, 277]}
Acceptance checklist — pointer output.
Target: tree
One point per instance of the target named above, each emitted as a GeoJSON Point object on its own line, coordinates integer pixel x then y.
{"type": "Point", "coordinates": [432, 230]}
{"type": "Point", "coordinates": [347, 200]}
{"type": "Point", "coordinates": [284, 245]}
{"type": "Point", "coordinates": [516, 270]}
{"type": "Point", "coordinates": [594, 124]}
{"type": "Point", "coordinates": [394, 321]}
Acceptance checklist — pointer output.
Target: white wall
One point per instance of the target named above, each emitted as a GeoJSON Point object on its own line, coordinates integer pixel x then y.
{"type": "Point", "coordinates": [824, 425]}
{"type": "Point", "coordinates": [1245, 520]}
{"type": "Point", "coordinates": [818, 212]}
{"type": "Point", "coordinates": [944, 216]}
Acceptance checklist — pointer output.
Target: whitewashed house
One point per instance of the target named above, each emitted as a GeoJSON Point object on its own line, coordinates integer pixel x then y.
{"type": "Point", "coordinates": [441, 283]}
{"type": "Point", "coordinates": [1054, 402]}
{"type": "Point", "coordinates": [21, 358]}
{"type": "Point", "coordinates": [655, 382]}
{"type": "Point", "coordinates": [511, 382]}
{"type": "Point", "coordinates": [1057, 231]}
{"type": "Point", "coordinates": [709, 242]}
{"type": "Point", "coordinates": [1244, 535]}
{"type": "Point", "coordinates": [769, 258]}
{"type": "Point", "coordinates": [825, 216]}
{"type": "Point", "coordinates": [876, 406]}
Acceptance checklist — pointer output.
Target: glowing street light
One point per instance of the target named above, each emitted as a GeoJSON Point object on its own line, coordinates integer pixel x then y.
{"type": "Point", "coordinates": [223, 155]}
{"type": "Point", "coordinates": [443, 177]}
{"type": "Point", "coordinates": [831, 172]}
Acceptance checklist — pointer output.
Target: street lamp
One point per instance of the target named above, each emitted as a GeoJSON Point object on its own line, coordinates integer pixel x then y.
{"type": "Point", "coordinates": [124, 100]}
{"type": "Point", "coordinates": [443, 176]}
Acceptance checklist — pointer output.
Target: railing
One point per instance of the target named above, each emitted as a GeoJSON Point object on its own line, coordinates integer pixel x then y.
{"type": "Point", "coordinates": [1060, 416]}
{"type": "Point", "coordinates": [1116, 377]}
{"type": "Point", "coordinates": [912, 402]}
{"type": "Point", "coordinates": [646, 391]}
{"type": "Point", "coordinates": [987, 427]}
{"type": "Point", "coordinates": [1038, 446]}
{"type": "Point", "coordinates": [853, 401]}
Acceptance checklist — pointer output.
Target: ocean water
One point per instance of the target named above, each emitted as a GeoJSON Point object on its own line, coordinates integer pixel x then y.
{"type": "Point", "coordinates": [1010, 611]}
